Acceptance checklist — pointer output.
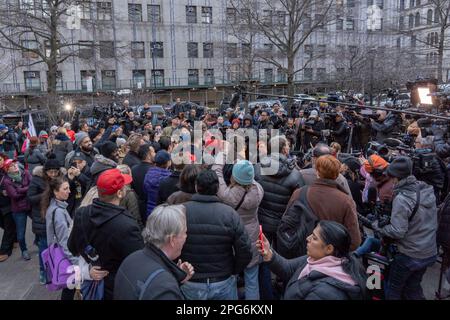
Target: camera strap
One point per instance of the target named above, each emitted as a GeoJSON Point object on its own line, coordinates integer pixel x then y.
{"type": "Point", "coordinates": [416, 207]}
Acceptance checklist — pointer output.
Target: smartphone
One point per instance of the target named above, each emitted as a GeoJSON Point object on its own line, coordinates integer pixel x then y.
{"type": "Point", "coordinates": [261, 237]}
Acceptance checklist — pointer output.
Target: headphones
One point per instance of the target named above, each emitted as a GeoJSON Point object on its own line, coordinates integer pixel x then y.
{"type": "Point", "coordinates": [376, 171]}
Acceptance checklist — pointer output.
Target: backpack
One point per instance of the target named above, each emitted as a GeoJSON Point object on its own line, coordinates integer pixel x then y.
{"type": "Point", "coordinates": [297, 223]}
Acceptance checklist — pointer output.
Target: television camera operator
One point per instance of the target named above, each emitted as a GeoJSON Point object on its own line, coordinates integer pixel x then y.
{"type": "Point", "coordinates": [341, 130]}
{"type": "Point", "coordinates": [385, 126]}
{"type": "Point", "coordinates": [312, 130]}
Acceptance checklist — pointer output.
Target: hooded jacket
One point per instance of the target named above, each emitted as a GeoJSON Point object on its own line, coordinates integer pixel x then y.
{"type": "Point", "coordinates": [315, 286]}
{"type": "Point", "coordinates": [101, 164]}
{"type": "Point", "coordinates": [137, 267]}
{"type": "Point", "coordinates": [34, 158]}
{"type": "Point", "coordinates": [37, 187]}
{"type": "Point", "coordinates": [112, 231]}
{"type": "Point", "coordinates": [415, 238]}
{"type": "Point", "coordinates": [217, 244]}
{"type": "Point", "coordinates": [61, 147]}
{"type": "Point", "coordinates": [17, 192]}
{"type": "Point", "coordinates": [151, 186]}
{"type": "Point", "coordinates": [278, 188]}
{"type": "Point", "coordinates": [248, 210]}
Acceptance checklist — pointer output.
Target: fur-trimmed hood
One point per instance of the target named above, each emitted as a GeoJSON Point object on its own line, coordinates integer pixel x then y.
{"type": "Point", "coordinates": [39, 171]}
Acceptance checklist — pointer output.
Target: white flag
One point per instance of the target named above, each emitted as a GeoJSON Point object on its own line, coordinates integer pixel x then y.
{"type": "Point", "coordinates": [31, 128]}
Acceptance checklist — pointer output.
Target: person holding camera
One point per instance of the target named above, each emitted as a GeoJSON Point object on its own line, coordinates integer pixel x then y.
{"type": "Point", "coordinates": [79, 178]}
{"type": "Point", "coordinates": [313, 130]}
{"type": "Point", "coordinates": [385, 125]}
{"type": "Point", "coordinates": [340, 130]}
{"type": "Point", "coordinates": [413, 226]}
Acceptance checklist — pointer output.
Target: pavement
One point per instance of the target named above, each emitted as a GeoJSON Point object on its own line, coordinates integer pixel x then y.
{"type": "Point", "coordinates": [19, 279]}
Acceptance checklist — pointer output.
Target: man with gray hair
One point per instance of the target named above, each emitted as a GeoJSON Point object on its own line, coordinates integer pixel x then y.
{"type": "Point", "coordinates": [150, 273]}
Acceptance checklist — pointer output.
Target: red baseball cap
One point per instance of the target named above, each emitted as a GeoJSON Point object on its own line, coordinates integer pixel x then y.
{"type": "Point", "coordinates": [8, 163]}
{"type": "Point", "coordinates": [111, 181]}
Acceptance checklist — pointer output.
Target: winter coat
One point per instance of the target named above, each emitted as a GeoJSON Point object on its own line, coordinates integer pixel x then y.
{"type": "Point", "coordinates": [61, 147]}
{"type": "Point", "coordinates": [5, 201]}
{"type": "Point", "coordinates": [415, 238]}
{"type": "Point", "coordinates": [443, 233]}
{"type": "Point", "coordinates": [309, 176]}
{"type": "Point", "coordinates": [37, 187]}
{"type": "Point", "coordinates": [9, 141]}
{"type": "Point", "coordinates": [138, 173]}
{"type": "Point", "coordinates": [88, 157]}
{"type": "Point", "coordinates": [341, 132]}
{"type": "Point", "coordinates": [34, 157]}
{"type": "Point", "coordinates": [168, 186]}
{"type": "Point", "coordinates": [136, 269]}
{"type": "Point", "coordinates": [248, 210]}
{"type": "Point", "coordinates": [131, 159]}
{"type": "Point", "coordinates": [151, 186]}
{"type": "Point", "coordinates": [217, 244]}
{"type": "Point", "coordinates": [78, 188]}
{"type": "Point", "coordinates": [339, 206]}
{"type": "Point", "coordinates": [385, 129]}
{"type": "Point", "coordinates": [278, 189]}
{"type": "Point", "coordinates": [315, 286]}
{"type": "Point", "coordinates": [17, 192]}
{"type": "Point", "coordinates": [112, 231]}
{"type": "Point", "coordinates": [179, 197]}
{"type": "Point", "coordinates": [101, 164]}
{"type": "Point", "coordinates": [315, 136]}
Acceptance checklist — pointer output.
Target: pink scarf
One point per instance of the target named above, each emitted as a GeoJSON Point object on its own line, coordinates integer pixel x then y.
{"type": "Point", "coordinates": [330, 266]}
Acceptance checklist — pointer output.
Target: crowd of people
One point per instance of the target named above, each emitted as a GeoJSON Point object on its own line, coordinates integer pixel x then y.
{"type": "Point", "coordinates": [114, 198]}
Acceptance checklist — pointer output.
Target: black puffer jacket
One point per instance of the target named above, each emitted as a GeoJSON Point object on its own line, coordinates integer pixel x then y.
{"type": "Point", "coordinates": [217, 243]}
{"type": "Point", "coordinates": [5, 202]}
{"type": "Point", "coordinates": [443, 233]}
{"type": "Point", "coordinates": [37, 187]}
{"type": "Point", "coordinates": [131, 159]}
{"type": "Point", "coordinates": [112, 231]}
{"type": "Point", "coordinates": [278, 189]}
{"type": "Point", "coordinates": [61, 147]}
{"type": "Point", "coordinates": [315, 286]}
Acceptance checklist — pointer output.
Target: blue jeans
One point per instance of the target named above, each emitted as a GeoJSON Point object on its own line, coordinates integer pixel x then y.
{"type": "Point", "coordinates": [251, 283]}
{"type": "Point", "coordinates": [41, 242]}
{"type": "Point", "coordinates": [20, 218]}
{"type": "Point", "coordinates": [369, 245]}
{"type": "Point", "coordinates": [222, 290]}
{"type": "Point", "coordinates": [405, 276]}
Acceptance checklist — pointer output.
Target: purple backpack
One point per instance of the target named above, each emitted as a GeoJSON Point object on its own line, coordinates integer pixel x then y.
{"type": "Point", "coordinates": [58, 267]}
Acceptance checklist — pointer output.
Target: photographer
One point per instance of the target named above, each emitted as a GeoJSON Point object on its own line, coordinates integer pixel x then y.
{"type": "Point", "coordinates": [385, 125]}
{"type": "Point", "coordinates": [441, 145]}
{"type": "Point", "coordinates": [79, 181]}
{"type": "Point", "coordinates": [340, 130]}
{"type": "Point", "coordinates": [289, 131]}
{"type": "Point", "coordinates": [313, 130]}
{"type": "Point", "coordinates": [413, 227]}
{"type": "Point", "coordinates": [264, 122]}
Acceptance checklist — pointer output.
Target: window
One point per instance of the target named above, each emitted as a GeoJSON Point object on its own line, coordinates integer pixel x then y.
{"type": "Point", "coordinates": [380, 4]}
{"type": "Point", "coordinates": [319, 21]}
{"type": "Point", "coordinates": [308, 74]}
{"type": "Point", "coordinates": [307, 23]}
{"type": "Point", "coordinates": [246, 50]}
{"type": "Point", "coordinates": [157, 78]}
{"type": "Point", "coordinates": [154, 13]}
{"type": "Point", "coordinates": [30, 44]}
{"type": "Point", "coordinates": [232, 50]}
{"type": "Point", "coordinates": [59, 80]}
{"type": "Point", "coordinates": [207, 15]}
{"type": "Point", "coordinates": [88, 81]}
{"type": "Point", "coordinates": [192, 77]}
{"type": "Point", "coordinates": [28, 6]}
{"type": "Point", "coordinates": [417, 20]}
{"type": "Point", "coordinates": [209, 76]}
{"type": "Point", "coordinates": [268, 75]}
{"type": "Point", "coordinates": [137, 50]}
{"type": "Point", "coordinates": [429, 17]}
{"type": "Point", "coordinates": [86, 49]}
{"type": "Point", "coordinates": [138, 79]}
{"type": "Point", "coordinates": [134, 12]}
{"type": "Point", "coordinates": [157, 49]}
{"type": "Point", "coordinates": [281, 18]}
{"type": "Point", "coordinates": [104, 10]}
{"type": "Point", "coordinates": [417, 3]}
{"type": "Point", "coordinates": [350, 24]}
{"type": "Point", "coordinates": [267, 17]}
{"type": "Point", "coordinates": [369, 3]}
{"type": "Point", "coordinates": [353, 50]}
{"type": "Point", "coordinates": [350, 3]}
{"type": "Point", "coordinates": [339, 23]}
{"type": "Point", "coordinates": [401, 23]}
{"type": "Point", "coordinates": [48, 49]}
{"type": "Point", "coordinates": [321, 74]}
{"type": "Point", "coordinates": [245, 16]}
{"type": "Point", "coordinates": [413, 41]}
{"type": "Point", "coordinates": [208, 50]}
{"type": "Point", "coordinates": [399, 43]}
{"type": "Point", "coordinates": [340, 71]}
{"type": "Point", "coordinates": [85, 9]}
{"type": "Point", "coordinates": [106, 49]}
{"type": "Point", "coordinates": [192, 49]}
{"type": "Point", "coordinates": [32, 80]}
{"type": "Point", "coordinates": [282, 76]}
{"type": "Point", "coordinates": [231, 15]}
{"type": "Point", "coordinates": [321, 49]}
{"type": "Point", "coordinates": [411, 3]}
{"type": "Point", "coordinates": [436, 16]}
{"type": "Point", "coordinates": [309, 50]}
{"type": "Point", "coordinates": [411, 21]}
{"type": "Point", "coordinates": [108, 79]}
{"type": "Point", "coordinates": [402, 4]}
{"type": "Point", "coordinates": [268, 48]}
{"type": "Point", "coordinates": [191, 14]}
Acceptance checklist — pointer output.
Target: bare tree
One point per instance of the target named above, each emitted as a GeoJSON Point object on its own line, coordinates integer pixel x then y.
{"type": "Point", "coordinates": [287, 25]}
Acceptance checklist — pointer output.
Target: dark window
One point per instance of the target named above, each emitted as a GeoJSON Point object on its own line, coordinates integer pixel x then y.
{"type": "Point", "coordinates": [88, 80]}
{"type": "Point", "coordinates": [402, 4]}
{"type": "Point", "coordinates": [401, 23]}
{"type": "Point", "coordinates": [267, 17]}
{"type": "Point", "coordinates": [86, 49]}
{"type": "Point", "coordinates": [308, 74]}
{"type": "Point", "coordinates": [413, 41]}
{"type": "Point", "coordinates": [192, 49]}
{"type": "Point", "coordinates": [429, 17]}
{"type": "Point", "coordinates": [157, 49]}
{"type": "Point", "coordinates": [108, 79]}
{"type": "Point", "coordinates": [268, 75]}
{"type": "Point", "coordinates": [281, 18]}
{"type": "Point", "coordinates": [209, 76]}
{"type": "Point", "coordinates": [411, 3]}
{"type": "Point", "coordinates": [32, 45]}
{"type": "Point", "coordinates": [321, 74]}
{"type": "Point", "coordinates": [417, 20]}
{"type": "Point", "coordinates": [139, 79]}
{"type": "Point", "coordinates": [309, 50]}
{"type": "Point", "coordinates": [245, 16]}
{"type": "Point", "coordinates": [231, 15]}
{"type": "Point", "coordinates": [339, 24]}
{"type": "Point", "coordinates": [104, 10]}
{"type": "Point", "coordinates": [350, 3]}
{"type": "Point", "coordinates": [207, 15]}
{"type": "Point", "coordinates": [154, 13]}
{"type": "Point", "coordinates": [436, 16]}
{"type": "Point", "coordinates": [106, 49]}
{"type": "Point", "coordinates": [350, 24]}
{"type": "Point", "coordinates": [191, 14]}
{"type": "Point", "coordinates": [193, 77]}
{"type": "Point", "coordinates": [232, 50]}
{"type": "Point", "coordinates": [134, 12]}
{"type": "Point", "coordinates": [246, 50]}
{"type": "Point", "coordinates": [411, 21]}
{"type": "Point", "coordinates": [157, 78]}
{"type": "Point", "coordinates": [208, 50]}
{"type": "Point", "coordinates": [32, 80]}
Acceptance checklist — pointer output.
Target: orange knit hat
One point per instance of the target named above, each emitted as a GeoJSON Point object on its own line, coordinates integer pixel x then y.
{"type": "Point", "coordinates": [376, 162]}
